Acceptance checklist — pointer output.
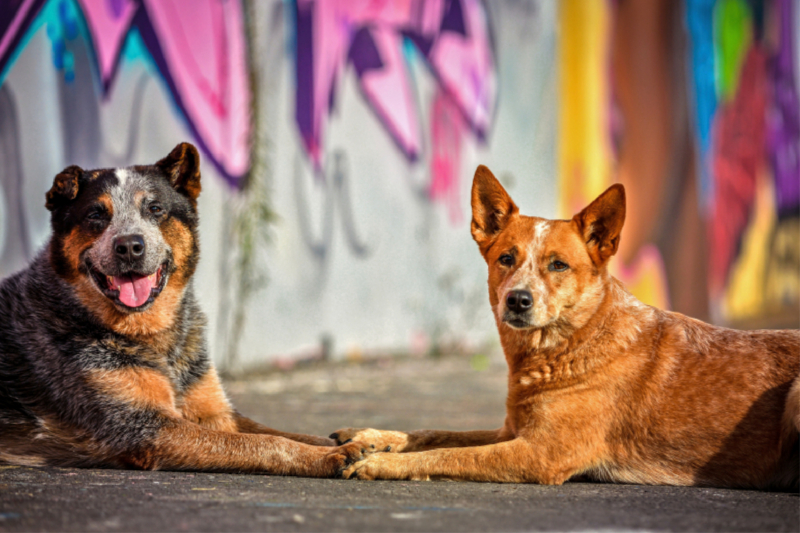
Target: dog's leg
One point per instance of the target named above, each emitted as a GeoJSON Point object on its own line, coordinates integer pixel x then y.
{"type": "Point", "coordinates": [245, 425]}
{"type": "Point", "coordinates": [206, 404]}
{"type": "Point", "coordinates": [420, 440]}
{"type": "Point", "coordinates": [197, 431]}
{"type": "Point", "coordinates": [182, 445]}
{"type": "Point", "coordinates": [514, 461]}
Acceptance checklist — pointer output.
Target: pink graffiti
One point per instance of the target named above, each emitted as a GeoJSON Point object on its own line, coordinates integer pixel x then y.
{"type": "Point", "coordinates": [108, 24]}
{"type": "Point", "coordinates": [740, 149]}
{"type": "Point", "coordinates": [451, 35]}
{"type": "Point", "coordinates": [447, 127]}
{"type": "Point", "coordinates": [200, 46]}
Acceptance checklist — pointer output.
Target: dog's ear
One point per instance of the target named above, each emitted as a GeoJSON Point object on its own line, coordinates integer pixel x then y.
{"type": "Point", "coordinates": [182, 167]}
{"type": "Point", "coordinates": [600, 224]}
{"type": "Point", "coordinates": [492, 208]}
{"type": "Point", "coordinates": [65, 187]}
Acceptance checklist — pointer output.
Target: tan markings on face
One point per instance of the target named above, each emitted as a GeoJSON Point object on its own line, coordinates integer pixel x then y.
{"type": "Point", "coordinates": [172, 236]}
{"type": "Point", "coordinates": [181, 241]}
{"type": "Point", "coordinates": [161, 315]}
{"type": "Point", "coordinates": [146, 325]}
{"type": "Point", "coordinates": [79, 240]}
{"type": "Point", "coordinates": [510, 241]}
{"type": "Point", "coordinates": [127, 195]}
{"type": "Point", "coordinates": [105, 200]}
{"type": "Point", "coordinates": [562, 246]}
{"type": "Point", "coordinates": [138, 198]}
{"type": "Point", "coordinates": [143, 388]}
{"type": "Point", "coordinates": [73, 247]}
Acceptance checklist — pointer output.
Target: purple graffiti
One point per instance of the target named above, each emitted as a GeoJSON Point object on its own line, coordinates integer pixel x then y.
{"type": "Point", "coordinates": [784, 122]}
{"type": "Point", "coordinates": [198, 47]}
{"type": "Point", "coordinates": [451, 35]}
{"type": "Point", "coordinates": [15, 17]}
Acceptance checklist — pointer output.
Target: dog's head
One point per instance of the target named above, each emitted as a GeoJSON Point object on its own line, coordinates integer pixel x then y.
{"type": "Point", "coordinates": [544, 272]}
{"type": "Point", "coordinates": [126, 239]}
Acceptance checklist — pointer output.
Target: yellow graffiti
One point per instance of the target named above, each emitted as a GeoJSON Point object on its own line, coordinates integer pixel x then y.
{"type": "Point", "coordinates": [745, 296]}
{"type": "Point", "coordinates": [783, 274]}
{"type": "Point", "coordinates": [584, 158]}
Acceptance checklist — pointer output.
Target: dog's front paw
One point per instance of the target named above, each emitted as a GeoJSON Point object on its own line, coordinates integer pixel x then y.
{"type": "Point", "coordinates": [340, 457]}
{"type": "Point", "coordinates": [384, 466]}
{"type": "Point", "coordinates": [363, 469]}
{"type": "Point", "coordinates": [377, 440]}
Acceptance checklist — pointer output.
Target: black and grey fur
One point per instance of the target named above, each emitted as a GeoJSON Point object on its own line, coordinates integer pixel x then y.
{"type": "Point", "coordinates": [86, 380]}
{"type": "Point", "coordinates": [49, 415]}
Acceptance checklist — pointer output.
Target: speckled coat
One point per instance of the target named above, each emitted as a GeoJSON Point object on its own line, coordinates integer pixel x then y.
{"type": "Point", "coordinates": [92, 377]}
{"type": "Point", "coordinates": [601, 385]}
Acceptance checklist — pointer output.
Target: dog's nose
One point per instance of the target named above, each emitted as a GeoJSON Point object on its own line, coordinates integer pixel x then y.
{"type": "Point", "coordinates": [519, 301]}
{"type": "Point", "coordinates": [129, 247]}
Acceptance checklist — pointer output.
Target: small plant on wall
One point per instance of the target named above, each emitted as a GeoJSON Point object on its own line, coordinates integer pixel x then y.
{"type": "Point", "coordinates": [247, 232]}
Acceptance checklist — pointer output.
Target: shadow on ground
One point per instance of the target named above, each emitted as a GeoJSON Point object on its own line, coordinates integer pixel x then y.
{"type": "Point", "coordinates": [404, 394]}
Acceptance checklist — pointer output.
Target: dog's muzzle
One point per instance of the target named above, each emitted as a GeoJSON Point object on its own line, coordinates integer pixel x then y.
{"type": "Point", "coordinates": [518, 303]}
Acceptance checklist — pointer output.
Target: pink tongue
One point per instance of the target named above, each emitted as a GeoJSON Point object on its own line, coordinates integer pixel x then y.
{"type": "Point", "coordinates": [134, 290]}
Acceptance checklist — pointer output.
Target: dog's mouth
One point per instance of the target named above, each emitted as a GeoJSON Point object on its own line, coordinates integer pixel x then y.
{"type": "Point", "coordinates": [525, 321]}
{"type": "Point", "coordinates": [132, 291]}
{"type": "Point", "coordinates": [516, 321]}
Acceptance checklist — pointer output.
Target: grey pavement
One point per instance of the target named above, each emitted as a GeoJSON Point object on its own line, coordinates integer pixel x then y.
{"type": "Point", "coordinates": [450, 393]}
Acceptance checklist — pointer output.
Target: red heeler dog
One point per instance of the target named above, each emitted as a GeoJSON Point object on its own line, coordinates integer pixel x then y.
{"type": "Point", "coordinates": [103, 358]}
{"type": "Point", "coordinates": [600, 384]}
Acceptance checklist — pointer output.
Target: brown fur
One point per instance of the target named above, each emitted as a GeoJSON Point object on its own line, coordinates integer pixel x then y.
{"type": "Point", "coordinates": [162, 314]}
{"type": "Point", "coordinates": [73, 245]}
{"type": "Point", "coordinates": [182, 445]}
{"type": "Point", "coordinates": [146, 326]}
{"type": "Point", "coordinates": [182, 167]}
{"type": "Point", "coordinates": [601, 384]}
{"type": "Point", "coordinates": [65, 187]}
{"type": "Point", "coordinates": [206, 404]}
{"type": "Point", "coordinates": [142, 388]}
{"type": "Point", "coordinates": [180, 239]}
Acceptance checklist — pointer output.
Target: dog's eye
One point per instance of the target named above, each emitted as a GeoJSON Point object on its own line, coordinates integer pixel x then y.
{"type": "Point", "coordinates": [507, 259]}
{"type": "Point", "coordinates": [156, 209]}
{"type": "Point", "coordinates": [558, 266]}
{"type": "Point", "coordinates": [95, 215]}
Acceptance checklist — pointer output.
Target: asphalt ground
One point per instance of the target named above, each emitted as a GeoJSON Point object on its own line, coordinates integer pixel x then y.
{"type": "Point", "coordinates": [449, 393]}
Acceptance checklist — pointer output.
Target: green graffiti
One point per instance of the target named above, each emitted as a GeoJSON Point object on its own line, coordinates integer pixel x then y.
{"type": "Point", "coordinates": [733, 33]}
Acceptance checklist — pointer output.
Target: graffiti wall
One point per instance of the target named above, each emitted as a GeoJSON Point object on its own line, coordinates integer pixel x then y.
{"type": "Point", "coordinates": [356, 126]}
{"type": "Point", "coordinates": [369, 118]}
{"type": "Point", "coordinates": [103, 84]}
{"type": "Point", "coordinates": [694, 108]}
{"type": "Point", "coordinates": [377, 114]}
